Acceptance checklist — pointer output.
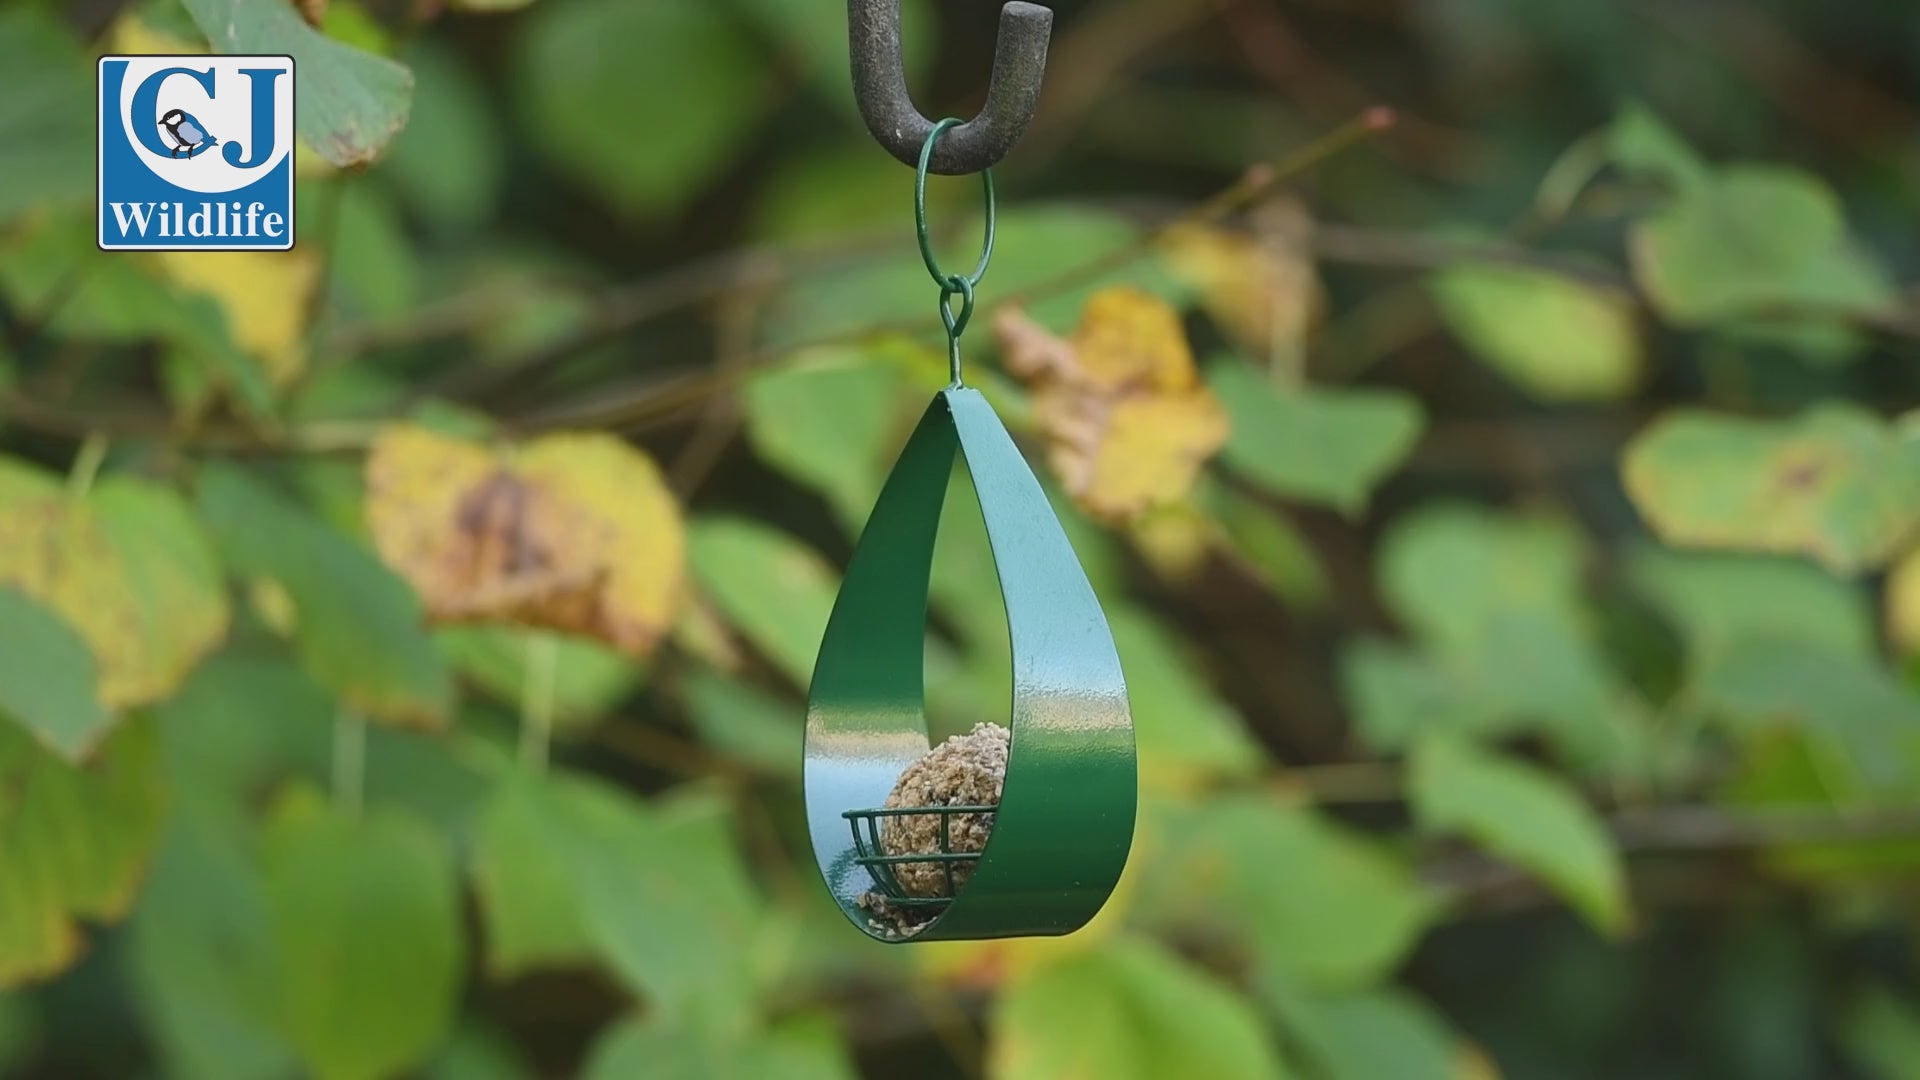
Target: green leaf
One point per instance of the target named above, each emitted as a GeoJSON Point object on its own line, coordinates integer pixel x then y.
{"type": "Point", "coordinates": [201, 957]}
{"type": "Point", "coordinates": [1323, 445]}
{"type": "Point", "coordinates": [662, 892]}
{"type": "Point", "coordinates": [1316, 901]}
{"type": "Point", "coordinates": [1809, 771]}
{"type": "Point", "coordinates": [365, 920]}
{"type": "Point", "coordinates": [1128, 1009]}
{"type": "Point", "coordinates": [532, 917]}
{"type": "Point", "coordinates": [823, 194]}
{"type": "Point", "coordinates": [74, 842]}
{"type": "Point", "coordinates": [775, 590]}
{"type": "Point", "coordinates": [744, 723]}
{"type": "Point", "coordinates": [587, 67]}
{"type": "Point", "coordinates": [1881, 1034]}
{"type": "Point", "coordinates": [448, 164]}
{"type": "Point", "coordinates": [371, 270]}
{"type": "Point", "coordinates": [19, 1031]}
{"type": "Point", "coordinates": [1271, 546]}
{"type": "Point", "coordinates": [359, 629]}
{"type": "Point", "coordinates": [1849, 702]}
{"type": "Point", "coordinates": [829, 419]}
{"type": "Point", "coordinates": [46, 121]}
{"type": "Point", "coordinates": [48, 683]}
{"type": "Point", "coordinates": [1448, 571]}
{"type": "Point", "coordinates": [1639, 142]}
{"type": "Point", "coordinates": [802, 1048]}
{"type": "Point", "coordinates": [1835, 483]}
{"type": "Point", "coordinates": [1369, 1034]}
{"type": "Point", "coordinates": [1751, 241]}
{"type": "Point", "coordinates": [477, 1052]}
{"type": "Point", "coordinates": [1180, 724]}
{"type": "Point", "coordinates": [816, 32]}
{"type": "Point", "coordinates": [1557, 338]}
{"type": "Point", "coordinates": [1526, 816]}
{"type": "Point", "coordinates": [668, 899]}
{"type": "Point", "coordinates": [351, 23]}
{"type": "Point", "coordinates": [352, 103]}
{"type": "Point", "coordinates": [1398, 693]}
{"type": "Point", "coordinates": [50, 264]}
{"type": "Point", "coordinates": [244, 723]}
{"type": "Point", "coordinates": [1717, 601]}
{"type": "Point", "coordinates": [1496, 601]}
{"type": "Point", "coordinates": [589, 679]}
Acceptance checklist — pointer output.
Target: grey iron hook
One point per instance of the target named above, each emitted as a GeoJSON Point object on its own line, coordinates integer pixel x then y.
{"type": "Point", "coordinates": [880, 86]}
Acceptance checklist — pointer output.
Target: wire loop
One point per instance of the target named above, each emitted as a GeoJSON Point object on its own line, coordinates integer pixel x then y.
{"type": "Point", "coordinates": [951, 285]}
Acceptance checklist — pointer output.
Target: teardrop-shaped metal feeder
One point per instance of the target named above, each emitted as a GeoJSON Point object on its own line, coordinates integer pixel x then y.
{"type": "Point", "coordinates": [1065, 821]}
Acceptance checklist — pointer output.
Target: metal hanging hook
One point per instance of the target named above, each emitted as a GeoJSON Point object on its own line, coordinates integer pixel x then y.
{"type": "Point", "coordinates": [880, 86]}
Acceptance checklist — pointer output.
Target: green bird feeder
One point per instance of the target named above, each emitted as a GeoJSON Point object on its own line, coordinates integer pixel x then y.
{"type": "Point", "coordinates": [1064, 823]}
{"type": "Point", "coordinates": [1057, 838]}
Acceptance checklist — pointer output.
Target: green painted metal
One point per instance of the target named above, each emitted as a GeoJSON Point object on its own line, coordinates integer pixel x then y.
{"type": "Point", "coordinates": [1065, 820]}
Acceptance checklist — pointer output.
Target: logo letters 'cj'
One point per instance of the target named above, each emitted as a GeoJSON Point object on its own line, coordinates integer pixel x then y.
{"type": "Point", "coordinates": [196, 153]}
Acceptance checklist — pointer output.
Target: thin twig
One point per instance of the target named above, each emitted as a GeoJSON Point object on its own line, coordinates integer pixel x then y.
{"type": "Point", "coordinates": [86, 465]}
{"type": "Point", "coordinates": [648, 745]}
{"type": "Point", "coordinates": [721, 418]}
{"type": "Point", "coordinates": [619, 409]}
{"type": "Point", "coordinates": [1093, 57]}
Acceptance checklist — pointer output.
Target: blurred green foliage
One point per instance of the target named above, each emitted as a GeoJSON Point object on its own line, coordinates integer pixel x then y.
{"type": "Point", "coordinates": [1526, 689]}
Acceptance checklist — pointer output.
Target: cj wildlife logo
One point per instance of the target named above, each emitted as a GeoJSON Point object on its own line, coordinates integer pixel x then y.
{"type": "Point", "coordinates": [196, 153]}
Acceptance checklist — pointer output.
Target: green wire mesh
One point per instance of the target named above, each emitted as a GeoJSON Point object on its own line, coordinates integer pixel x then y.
{"type": "Point", "coordinates": [869, 853]}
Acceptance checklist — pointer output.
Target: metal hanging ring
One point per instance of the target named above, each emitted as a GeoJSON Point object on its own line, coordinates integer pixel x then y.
{"type": "Point", "coordinates": [880, 86]}
{"type": "Point", "coordinates": [941, 277]}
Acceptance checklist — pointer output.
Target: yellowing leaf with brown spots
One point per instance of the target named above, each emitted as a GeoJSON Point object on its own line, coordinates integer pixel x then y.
{"type": "Point", "coordinates": [1835, 483]}
{"type": "Point", "coordinates": [265, 295]}
{"type": "Point", "coordinates": [126, 565]}
{"type": "Point", "coordinates": [1259, 286]}
{"type": "Point", "coordinates": [572, 532]}
{"type": "Point", "coordinates": [1127, 421]}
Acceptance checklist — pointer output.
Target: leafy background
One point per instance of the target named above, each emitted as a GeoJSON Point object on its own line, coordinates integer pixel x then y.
{"type": "Point", "coordinates": [1519, 619]}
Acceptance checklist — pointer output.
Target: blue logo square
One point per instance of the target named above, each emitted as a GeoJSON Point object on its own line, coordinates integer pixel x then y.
{"type": "Point", "coordinates": [196, 153]}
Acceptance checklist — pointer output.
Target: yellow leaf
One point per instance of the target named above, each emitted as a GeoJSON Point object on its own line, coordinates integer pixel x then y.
{"type": "Point", "coordinates": [1557, 338]}
{"type": "Point", "coordinates": [1903, 604]}
{"type": "Point", "coordinates": [1127, 421]}
{"type": "Point", "coordinates": [266, 296]}
{"type": "Point", "coordinates": [127, 565]}
{"type": "Point", "coordinates": [1260, 288]}
{"type": "Point", "coordinates": [1131, 338]}
{"type": "Point", "coordinates": [572, 532]}
{"type": "Point", "coordinates": [130, 35]}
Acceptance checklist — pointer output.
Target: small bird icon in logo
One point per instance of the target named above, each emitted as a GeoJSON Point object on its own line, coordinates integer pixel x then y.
{"type": "Point", "coordinates": [186, 133]}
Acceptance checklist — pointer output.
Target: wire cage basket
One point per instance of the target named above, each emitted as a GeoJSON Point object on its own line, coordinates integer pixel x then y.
{"type": "Point", "coordinates": [871, 854]}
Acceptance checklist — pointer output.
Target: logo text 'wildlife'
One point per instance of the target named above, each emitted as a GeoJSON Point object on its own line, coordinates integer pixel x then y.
{"type": "Point", "coordinates": [196, 152]}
